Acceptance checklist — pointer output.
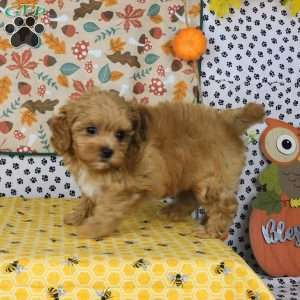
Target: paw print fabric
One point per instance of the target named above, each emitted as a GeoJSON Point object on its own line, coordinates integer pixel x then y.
{"type": "Point", "coordinates": [51, 58]}
{"type": "Point", "coordinates": [253, 55]}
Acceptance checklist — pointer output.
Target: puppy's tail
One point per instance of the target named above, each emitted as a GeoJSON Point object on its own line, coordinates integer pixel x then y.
{"type": "Point", "coordinates": [242, 118]}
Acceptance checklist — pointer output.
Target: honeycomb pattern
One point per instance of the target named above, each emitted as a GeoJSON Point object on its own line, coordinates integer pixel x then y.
{"type": "Point", "coordinates": [148, 258]}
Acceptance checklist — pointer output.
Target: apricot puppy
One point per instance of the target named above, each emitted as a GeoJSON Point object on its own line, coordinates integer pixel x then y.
{"type": "Point", "coordinates": [122, 154]}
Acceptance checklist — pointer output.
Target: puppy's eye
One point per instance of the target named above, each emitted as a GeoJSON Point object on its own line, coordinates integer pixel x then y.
{"type": "Point", "coordinates": [120, 135]}
{"type": "Point", "coordinates": [92, 130]}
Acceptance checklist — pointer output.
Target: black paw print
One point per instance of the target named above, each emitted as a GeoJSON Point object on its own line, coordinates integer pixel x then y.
{"type": "Point", "coordinates": [25, 33]}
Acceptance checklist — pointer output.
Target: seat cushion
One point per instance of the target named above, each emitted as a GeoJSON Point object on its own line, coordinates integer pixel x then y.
{"type": "Point", "coordinates": [148, 258]}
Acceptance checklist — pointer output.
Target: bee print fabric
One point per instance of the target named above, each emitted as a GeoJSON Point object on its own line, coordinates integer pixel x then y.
{"type": "Point", "coordinates": [148, 258]}
{"type": "Point", "coordinates": [68, 47]}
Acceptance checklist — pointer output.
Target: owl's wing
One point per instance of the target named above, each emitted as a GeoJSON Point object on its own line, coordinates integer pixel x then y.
{"type": "Point", "coordinates": [270, 179]}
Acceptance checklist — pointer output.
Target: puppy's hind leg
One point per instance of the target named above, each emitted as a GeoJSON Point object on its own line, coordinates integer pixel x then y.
{"type": "Point", "coordinates": [220, 206]}
{"type": "Point", "coordinates": [185, 204]}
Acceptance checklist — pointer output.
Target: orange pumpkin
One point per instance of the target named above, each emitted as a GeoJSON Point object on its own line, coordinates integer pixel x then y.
{"type": "Point", "coordinates": [189, 44]}
{"type": "Point", "coordinates": [279, 258]}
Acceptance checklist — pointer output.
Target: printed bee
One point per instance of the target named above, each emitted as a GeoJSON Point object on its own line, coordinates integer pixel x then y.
{"type": "Point", "coordinates": [105, 295]}
{"type": "Point", "coordinates": [221, 269]}
{"type": "Point", "coordinates": [72, 261]}
{"type": "Point", "coordinates": [251, 295]}
{"type": "Point", "coordinates": [129, 242]}
{"type": "Point", "coordinates": [177, 279]}
{"type": "Point", "coordinates": [141, 263]}
{"type": "Point", "coordinates": [55, 293]}
{"type": "Point", "coordinates": [14, 267]}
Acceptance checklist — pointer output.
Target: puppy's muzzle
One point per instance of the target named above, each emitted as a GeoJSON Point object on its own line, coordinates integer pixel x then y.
{"type": "Point", "coordinates": [106, 152]}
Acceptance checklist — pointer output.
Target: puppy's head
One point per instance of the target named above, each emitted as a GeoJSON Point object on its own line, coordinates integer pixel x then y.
{"type": "Point", "coordinates": [101, 130]}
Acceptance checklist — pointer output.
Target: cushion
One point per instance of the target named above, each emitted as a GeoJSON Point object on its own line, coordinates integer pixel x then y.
{"type": "Point", "coordinates": [148, 258]}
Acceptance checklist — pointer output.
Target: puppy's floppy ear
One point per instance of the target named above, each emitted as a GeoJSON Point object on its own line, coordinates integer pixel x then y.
{"type": "Point", "coordinates": [61, 134]}
{"type": "Point", "coordinates": [140, 119]}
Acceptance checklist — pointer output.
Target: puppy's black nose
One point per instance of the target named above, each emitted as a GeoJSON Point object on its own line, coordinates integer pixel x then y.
{"type": "Point", "coordinates": [106, 152]}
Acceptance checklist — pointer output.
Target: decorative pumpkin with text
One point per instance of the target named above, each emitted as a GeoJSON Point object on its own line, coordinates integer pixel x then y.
{"type": "Point", "coordinates": [275, 218]}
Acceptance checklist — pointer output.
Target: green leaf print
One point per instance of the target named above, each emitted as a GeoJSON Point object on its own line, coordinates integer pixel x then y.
{"type": "Point", "coordinates": [142, 73]}
{"type": "Point", "coordinates": [109, 32]}
{"type": "Point", "coordinates": [90, 27]}
{"type": "Point", "coordinates": [104, 74]}
{"type": "Point", "coordinates": [68, 69]}
{"type": "Point", "coordinates": [47, 79]}
{"type": "Point", "coordinates": [151, 58]}
{"type": "Point", "coordinates": [154, 10]}
{"type": "Point", "coordinates": [11, 108]}
{"type": "Point", "coordinates": [43, 139]}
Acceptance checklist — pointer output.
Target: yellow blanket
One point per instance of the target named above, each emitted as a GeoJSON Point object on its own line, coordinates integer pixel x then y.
{"type": "Point", "coordinates": [150, 258]}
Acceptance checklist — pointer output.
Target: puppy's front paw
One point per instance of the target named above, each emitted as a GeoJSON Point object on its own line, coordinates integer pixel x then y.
{"type": "Point", "coordinates": [74, 218]}
{"type": "Point", "coordinates": [91, 230]}
{"type": "Point", "coordinates": [204, 232]}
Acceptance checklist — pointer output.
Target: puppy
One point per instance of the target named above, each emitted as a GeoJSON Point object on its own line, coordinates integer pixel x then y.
{"type": "Point", "coordinates": [123, 154]}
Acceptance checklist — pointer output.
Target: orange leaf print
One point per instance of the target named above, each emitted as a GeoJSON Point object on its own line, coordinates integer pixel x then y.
{"type": "Point", "coordinates": [117, 44]}
{"type": "Point", "coordinates": [23, 63]}
{"type": "Point", "coordinates": [4, 44]}
{"type": "Point", "coordinates": [180, 91]}
{"type": "Point", "coordinates": [110, 2]}
{"type": "Point", "coordinates": [54, 43]}
{"type": "Point", "coordinates": [116, 75]}
{"type": "Point", "coordinates": [5, 88]}
{"type": "Point", "coordinates": [28, 117]}
{"type": "Point", "coordinates": [61, 4]}
{"type": "Point", "coordinates": [167, 48]}
{"type": "Point", "coordinates": [156, 19]}
{"type": "Point", "coordinates": [63, 80]}
{"type": "Point", "coordinates": [195, 10]}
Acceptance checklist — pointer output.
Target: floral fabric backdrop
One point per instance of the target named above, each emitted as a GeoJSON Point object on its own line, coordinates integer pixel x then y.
{"type": "Point", "coordinates": [113, 44]}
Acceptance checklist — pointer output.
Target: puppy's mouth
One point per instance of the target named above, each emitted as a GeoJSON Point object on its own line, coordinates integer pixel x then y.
{"type": "Point", "coordinates": [104, 165]}
{"type": "Point", "coordinates": [101, 165]}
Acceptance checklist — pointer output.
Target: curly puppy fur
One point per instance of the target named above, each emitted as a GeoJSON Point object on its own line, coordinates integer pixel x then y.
{"type": "Point", "coordinates": [136, 153]}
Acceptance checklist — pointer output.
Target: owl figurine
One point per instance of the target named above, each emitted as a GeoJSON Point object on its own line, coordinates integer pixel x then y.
{"type": "Point", "coordinates": [274, 225]}
{"type": "Point", "coordinates": [280, 143]}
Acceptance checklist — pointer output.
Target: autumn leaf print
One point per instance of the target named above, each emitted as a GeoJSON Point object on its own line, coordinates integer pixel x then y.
{"type": "Point", "coordinates": [110, 2]}
{"type": "Point", "coordinates": [80, 88]}
{"type": "Point", "coordinates": [54, 43]}
{"type": "Point", "coordinates": [131, 16]}
{"type": "Point", "coordinates": [5, 88]}
{"type": "Point", "coordinates": [117, 44]}
{"type": "Point", "coordinates": [195, 10]}
{"type": "Point", "coordinates": [4, 44]}
{"type": "Point", "coordinates": [22, 63]}
{"type": "Point", "coordinates": [28, 117]}
{"type": "Point", "coordinates": [86, 8]}
{"type": "Point", "coordinates": [180, 91]}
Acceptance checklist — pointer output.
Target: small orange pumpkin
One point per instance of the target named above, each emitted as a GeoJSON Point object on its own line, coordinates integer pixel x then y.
{"type": "Point", "coordinates": [189, 44]}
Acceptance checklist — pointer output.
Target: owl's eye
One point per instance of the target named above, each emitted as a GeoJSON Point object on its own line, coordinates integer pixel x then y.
{"type": "Point", "coordinates": [286, 144]}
